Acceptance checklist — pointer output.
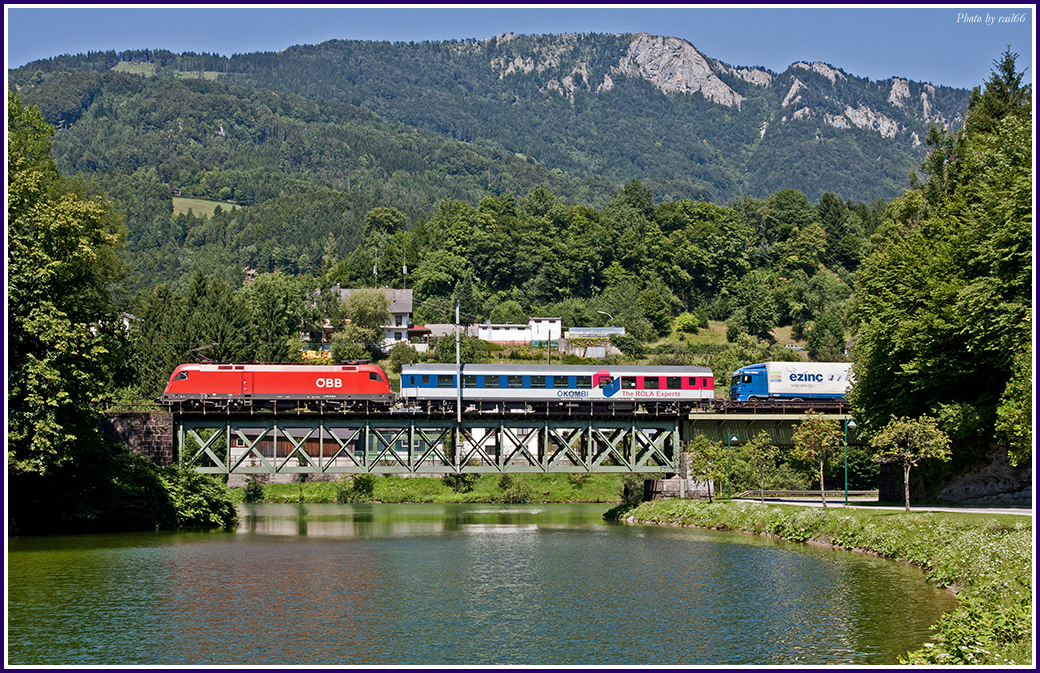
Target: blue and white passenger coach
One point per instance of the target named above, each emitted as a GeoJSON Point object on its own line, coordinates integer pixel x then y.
{"type": "Point", "coordinates": [515, 388]}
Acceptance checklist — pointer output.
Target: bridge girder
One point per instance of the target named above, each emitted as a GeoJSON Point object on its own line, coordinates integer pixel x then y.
{"type": "Point", "coordinates": [721, 427]}
{"type": "Point", "coordinates": [227, 444]}
{"type": "Point", "coordinates": [319, 445]}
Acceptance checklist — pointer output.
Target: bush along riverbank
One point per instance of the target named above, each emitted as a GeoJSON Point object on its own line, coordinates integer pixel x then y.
{"type": "Point", "coordinates": [987, 560]}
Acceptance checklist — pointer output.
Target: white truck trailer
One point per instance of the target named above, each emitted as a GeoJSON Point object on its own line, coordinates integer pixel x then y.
{"type": "Point", "coordinates": [791, 380]}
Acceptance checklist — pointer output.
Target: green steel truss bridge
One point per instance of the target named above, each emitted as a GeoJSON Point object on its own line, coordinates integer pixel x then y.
{"type": "Point", "coordinates": [416, 443]}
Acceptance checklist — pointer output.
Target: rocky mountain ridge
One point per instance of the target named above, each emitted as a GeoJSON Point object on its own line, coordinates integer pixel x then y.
{"type": "Point", "coordinates": [673, 65]}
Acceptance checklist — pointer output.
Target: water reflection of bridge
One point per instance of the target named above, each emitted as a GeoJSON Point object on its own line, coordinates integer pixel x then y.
{"type": "Point", "coordinates": [419, 443]}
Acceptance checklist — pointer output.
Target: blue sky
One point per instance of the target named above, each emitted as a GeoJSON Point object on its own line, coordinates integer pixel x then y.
{"type": "Point", "coordinates": [925, 43]}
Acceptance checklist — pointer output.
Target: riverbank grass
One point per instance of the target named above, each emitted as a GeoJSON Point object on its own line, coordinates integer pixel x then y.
{"type": "Point", "coordinates": [986, 559]}
{"type": "Point", "coordinates": [539, 487]}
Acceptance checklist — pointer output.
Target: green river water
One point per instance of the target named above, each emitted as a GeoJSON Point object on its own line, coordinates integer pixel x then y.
{"type": "Point", "coordinates": [456, 585]}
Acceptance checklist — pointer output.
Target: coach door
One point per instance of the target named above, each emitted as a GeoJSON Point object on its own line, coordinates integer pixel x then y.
{"type": "Point", "coordinates": [247, 383]}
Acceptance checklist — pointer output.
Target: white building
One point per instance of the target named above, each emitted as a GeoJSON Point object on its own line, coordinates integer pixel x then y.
{"type": "Point", "coordinates": [537, 330]}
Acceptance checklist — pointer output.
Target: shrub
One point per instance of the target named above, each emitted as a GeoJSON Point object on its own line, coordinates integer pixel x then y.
{"type": "Point", "coordinates": [253, 491]}
{"type": "Point", "coordinates": [736, 325]}
{"type": "Point", "coordinates": [687, 323]}
{"type": "Point", "coordinates": [401, 354]}
{"type": "Point", "coordinates": [199, 499]}
{"type": "Point", "coordinates": [357, 489]}
{"type": "Point", "coordinates": [517, 490]}
{"type": "Point", "coordinates": [627, 344]}
{"type": "Point", "coordinates": [461, 482]}
{"type": "Point", "coordinates": [344, 350]}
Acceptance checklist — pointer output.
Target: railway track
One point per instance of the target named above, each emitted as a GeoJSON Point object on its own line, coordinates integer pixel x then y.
{"type": "Point", "coordinates": [513, 410]}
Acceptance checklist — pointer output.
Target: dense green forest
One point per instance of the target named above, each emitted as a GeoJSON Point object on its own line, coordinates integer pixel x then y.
{"type": "Point", "coordinates": [109, 289]}
{"type": "Point", "coordinates": [564, 101]}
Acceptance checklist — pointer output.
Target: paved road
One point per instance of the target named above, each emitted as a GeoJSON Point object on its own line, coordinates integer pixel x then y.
{"type": "Point", "coordinates": [872, 504]}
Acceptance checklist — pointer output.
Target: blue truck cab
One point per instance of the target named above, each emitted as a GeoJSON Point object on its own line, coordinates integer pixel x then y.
{"type": "Point", "coordinates": [749, 383]}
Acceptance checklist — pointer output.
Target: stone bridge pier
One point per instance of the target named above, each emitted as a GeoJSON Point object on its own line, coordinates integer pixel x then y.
{"type": "Point", "coordinates": [149, 434]}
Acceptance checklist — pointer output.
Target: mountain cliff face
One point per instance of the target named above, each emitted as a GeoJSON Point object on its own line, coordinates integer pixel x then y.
{"type": "Point", "coordinates": [673, 65]}
{"type": "Point", "coordinates": [622, 107]}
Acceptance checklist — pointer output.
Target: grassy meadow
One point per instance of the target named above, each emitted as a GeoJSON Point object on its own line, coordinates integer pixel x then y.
{"type": "Point", "coordinates": [181, 206]}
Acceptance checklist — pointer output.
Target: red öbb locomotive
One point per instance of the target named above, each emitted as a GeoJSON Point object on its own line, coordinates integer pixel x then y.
{"type": "Point", "coordinates": [231, 385]}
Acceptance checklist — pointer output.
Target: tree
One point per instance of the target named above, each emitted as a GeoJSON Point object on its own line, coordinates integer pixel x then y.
{"type": "Point", "coordinates": [762, 454]}
{"type": "Point", "coordinates": [400, 354]}
{"type": "Point", "coordinates": [655, 310]}
{"type": "Point", "coordinates": [63, 330]}
{"type": "Point", "coordinates": [755, 308]}
{"type": "Point", "coordinates": [944, 299]}
{"type": "Point", "coordinates": [366, 312]}
{"type": "Point", "coordinates": [508, 312]}
{"type": "Point", "coordinates": [909, 441]}
{"type": "Point", "coordinates": [826, 340]}
{"type": "Point", "coordinates": [66, 344]}
{"type": "Point", "coordinates": [1015, 411]}
{"type": "Point", "coordinates": [471, 349]}
{"type": "Point", "coordinates": [815, 440]}
{"type": "Point", "coordinates": [382, 223]}
{"type": "Point", "coordinates": [438, 274]}
{"type": "Point", "coordinates": [707, 460]}
{"type": "Point", "coordinates": [1004, 95]}
{"type": "Point", "coordinates": [844, 230]}
{"type": "Point", "coordinates": [277, 307]}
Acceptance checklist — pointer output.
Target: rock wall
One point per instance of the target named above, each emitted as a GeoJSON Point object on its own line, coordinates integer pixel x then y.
{"type": "Point", "coordinates": [147, 434]}
{"type": "Point", "coordinates": [992, 483]}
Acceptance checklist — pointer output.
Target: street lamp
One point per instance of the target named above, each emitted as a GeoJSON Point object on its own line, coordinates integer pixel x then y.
{"type": "Point", "coordinates": [606, 314]}
{"type": "Point", "coordinates": [849, 423]}
{"type": "Point", "coordinates": [734, 438]}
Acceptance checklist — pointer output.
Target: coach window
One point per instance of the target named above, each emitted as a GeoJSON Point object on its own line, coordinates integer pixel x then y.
{"type": "Point", "coordinates": [651, 383]}
{"type": "Point", "coordinates": [492, 381]}
{"type": "Point", "coordinates": [673, 382]}
{"type": "Point", "coordinates": [537, 381]}
{"type": "Point", "coordinates": [693, 382]}
{"type": "Point", "coordinates": [705, 384]}
{"type": "Point", "coordinates": [469, 381]}
{"type": "Point", "coordinates": [606, 382]}
{"type": "Point", "coordinates": [513, 381]}
{"type": "Point", "coordinates": [561, 382]}
{"type": "Point", "coordinates": [445, 381]}
{"type": "Point", "coordinates": [426, 379]}
{"type": "Point", "coordinates": [628, 382]}
{"type": "Point", "coordinates": [583, 382]}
